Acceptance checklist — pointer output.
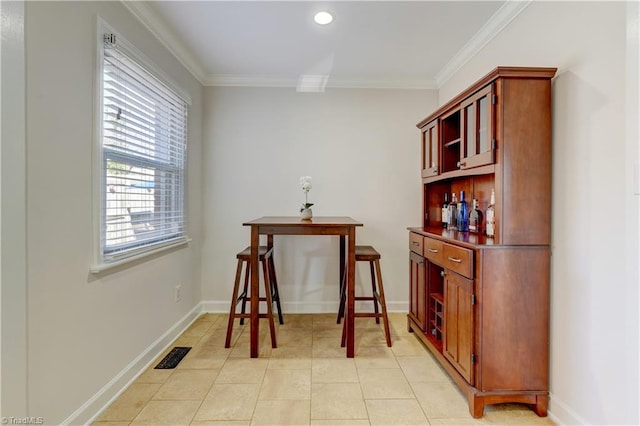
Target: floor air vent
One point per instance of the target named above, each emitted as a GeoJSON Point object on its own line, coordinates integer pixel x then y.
{"type": "Point", "coordinates": [173, 358]}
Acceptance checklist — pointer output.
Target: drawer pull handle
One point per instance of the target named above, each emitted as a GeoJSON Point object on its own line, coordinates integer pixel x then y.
{"type": "Point", "coordinates": [415, 243]}
{"type": "Point", "coordinates": [432, 250]}
{"type": "Point", "coordinates": [453, 259]}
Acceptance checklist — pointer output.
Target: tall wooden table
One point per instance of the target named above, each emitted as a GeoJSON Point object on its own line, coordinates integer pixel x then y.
{"type": "Point", "coordinates": [343, 226]}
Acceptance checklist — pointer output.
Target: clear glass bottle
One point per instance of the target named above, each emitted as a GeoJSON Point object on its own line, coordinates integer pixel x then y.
{"type": "Point", "coordinates": [491, 216]}
{"type": "Point", "coordinates": [463, 214]}
{"type": "Point", "coordinates": [453, 213]}
{"type": "Point", "coordinates": [475, 218]}
{"type": "Point", "coordinates": [445, 211]}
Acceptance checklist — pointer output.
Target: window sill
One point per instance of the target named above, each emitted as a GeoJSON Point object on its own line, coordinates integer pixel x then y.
{"type": "Point", "coordinates": [101, 267]}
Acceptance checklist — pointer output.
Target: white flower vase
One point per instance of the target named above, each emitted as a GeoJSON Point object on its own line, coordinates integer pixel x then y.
{"type": "Point", "coordinates": [306, 214]}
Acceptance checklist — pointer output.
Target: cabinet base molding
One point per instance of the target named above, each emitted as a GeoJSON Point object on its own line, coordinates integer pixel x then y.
{"type": "Point", "coordinates": [477, 399]}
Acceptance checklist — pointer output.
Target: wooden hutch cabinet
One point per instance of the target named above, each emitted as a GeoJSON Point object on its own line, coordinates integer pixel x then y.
{"type": "Point", "coordinates": [481, 304]}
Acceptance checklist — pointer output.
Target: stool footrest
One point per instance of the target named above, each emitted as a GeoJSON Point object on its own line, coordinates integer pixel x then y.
{"type": "Point", "coordinates": [249, 316]}
{"type": "Point", "coordinates": [248, 299]}
{"type": "Point", "coordinates": [367, 315]}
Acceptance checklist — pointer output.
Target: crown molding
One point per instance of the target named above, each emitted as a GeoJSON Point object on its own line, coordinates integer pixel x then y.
{"type": "Point", "coordinates": [233, 80]}
{"type": "Point", "coordinates": [405, 84]}
{"type": "Point", "coordinates": [156, 25]}
{"type": "Point", "coordinates": [249, 80]}
{"type": "Point", "coordinates": [509, 10]}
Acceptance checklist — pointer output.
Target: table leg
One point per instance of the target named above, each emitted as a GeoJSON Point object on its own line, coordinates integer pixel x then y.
{"type": "Point", "coordinates": [342, 260]}
{"type": "Point", "coordinates": [341, 279]}
{"type": "Point", "coordinates": [351, 279]}
{"type": "Point", "coordinates": [255, 280]}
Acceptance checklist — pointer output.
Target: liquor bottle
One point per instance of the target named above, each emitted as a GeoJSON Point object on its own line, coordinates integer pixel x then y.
{"type": "Point", "coordinates": [453, 215]}
{"type": "Point", "coordinates": [445, 211]}
{"type": "Point", "coordinates": [463, 214]}
{"type": "Point", "coordinates": [491, 216]}
{"type": "Point", "coordinates": [475, 218]}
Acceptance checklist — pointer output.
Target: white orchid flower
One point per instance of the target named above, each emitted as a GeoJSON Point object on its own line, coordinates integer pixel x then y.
{"type": "Point", "coordinates": [305, 184]}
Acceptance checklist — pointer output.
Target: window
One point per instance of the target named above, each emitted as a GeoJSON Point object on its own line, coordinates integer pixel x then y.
{"type": "Point", "coordinates": [143, 140]}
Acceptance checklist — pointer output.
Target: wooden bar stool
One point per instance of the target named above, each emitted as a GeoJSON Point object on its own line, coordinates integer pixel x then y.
{"type": "Point", "coordinates": [265, 257]}
{"type": "Point", "coordinates": [367, 254]}
{"type": "Point", "coordinates": [273, 280]}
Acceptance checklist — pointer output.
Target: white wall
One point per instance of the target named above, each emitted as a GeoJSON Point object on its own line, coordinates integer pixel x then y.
{"type": "Point", "coordinates": [13, 360]}
{"type": "Point", "coordinates": [594, 319]}
{"type": "Point", "coordinates": [84, 330]}
{"type": "Point", "coordinates": [362, 150]}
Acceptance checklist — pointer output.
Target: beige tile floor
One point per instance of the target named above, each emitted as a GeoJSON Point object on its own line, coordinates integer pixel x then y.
{"type": "Point", "coordinates": [307, 380]}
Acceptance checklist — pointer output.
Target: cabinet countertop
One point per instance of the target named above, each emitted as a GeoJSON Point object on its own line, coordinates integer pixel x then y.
{"type": "Point", "coordinates": [469, 240]}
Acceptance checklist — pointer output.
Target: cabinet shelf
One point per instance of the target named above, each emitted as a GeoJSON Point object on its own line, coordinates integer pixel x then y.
{"type": "Point", "coordinates": [452, 143]}
{"type": "Point", "coordinates": [435, 342]}
{"type": "Point", "coordinates": [484, 170]}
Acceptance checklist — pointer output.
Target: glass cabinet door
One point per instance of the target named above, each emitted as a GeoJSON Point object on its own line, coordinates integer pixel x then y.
{"type": "Point", "coordinates": [430, 152]}
{"type": "Point", "coordinates": [477, 147]}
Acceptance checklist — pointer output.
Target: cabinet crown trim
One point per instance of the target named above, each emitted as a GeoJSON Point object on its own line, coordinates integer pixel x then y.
{"type": "Point", "coordinates": [498, 72]}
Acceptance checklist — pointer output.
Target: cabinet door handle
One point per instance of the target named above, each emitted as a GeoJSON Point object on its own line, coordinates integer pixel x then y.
{"type": "Point", "coordinates": [432, 250]}
{"type": "Point", "coordinates": [453, 259]}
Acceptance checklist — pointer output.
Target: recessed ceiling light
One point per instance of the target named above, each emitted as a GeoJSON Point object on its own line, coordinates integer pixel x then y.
{"type": "Point", "coordinates": [323, 18]}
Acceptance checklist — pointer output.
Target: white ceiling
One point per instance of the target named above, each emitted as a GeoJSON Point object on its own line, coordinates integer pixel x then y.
{"type": "Point", "coordinates": [381, 44]}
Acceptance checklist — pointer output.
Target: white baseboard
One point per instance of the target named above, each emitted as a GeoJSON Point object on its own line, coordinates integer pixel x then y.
{"type": "Point", "coordinates": [562, 414]}
{"type": "Point", "coordinates": [222, 307]}
{"type": "Point", "coordinates": [91, 409]}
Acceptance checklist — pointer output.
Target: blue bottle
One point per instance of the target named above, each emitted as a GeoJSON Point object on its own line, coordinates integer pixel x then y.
{"type": "Point", "coordinates": [463, 214]}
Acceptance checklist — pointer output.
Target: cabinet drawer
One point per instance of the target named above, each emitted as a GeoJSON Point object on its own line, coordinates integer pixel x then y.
{"type": "Point", "coordinates": [433, 250]}
{"type": "Point", "coordinates": [458, 259]}
{"type": "Point", "coordinates": [415, 242]}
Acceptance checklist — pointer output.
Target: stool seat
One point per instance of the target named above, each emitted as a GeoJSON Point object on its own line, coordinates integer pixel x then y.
{"type": "Point", "coordinates": [265, 257]}
{"type": "Point", "coordinates": [366, 254]}
{"type": "Point", "coordinates": [246, 253]}
{"type": "Point", "coordinates": [371, 255]}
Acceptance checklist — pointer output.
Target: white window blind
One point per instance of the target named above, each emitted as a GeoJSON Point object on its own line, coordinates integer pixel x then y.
{"type": "Point", "coordinates": [143, 150]}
